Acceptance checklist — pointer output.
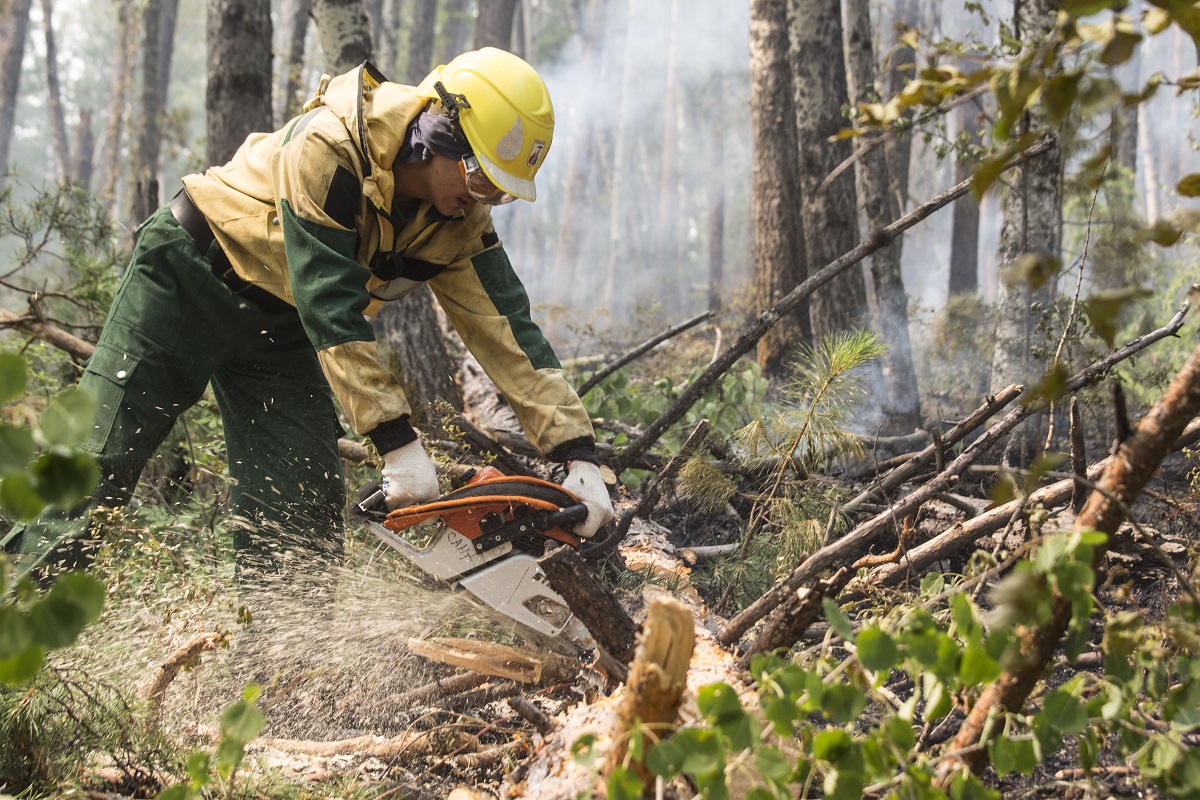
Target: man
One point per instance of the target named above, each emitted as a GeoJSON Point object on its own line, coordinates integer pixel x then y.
{"type": "Point", "coordinates": [259, 275]}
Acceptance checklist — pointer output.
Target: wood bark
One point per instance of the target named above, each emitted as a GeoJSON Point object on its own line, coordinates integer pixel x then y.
{"type": "Point", "coordinates": [81, 151]}
{"type": "Point", "coordinates": [58, 123]}
{"type": "Point", "coordinates": [289, 94]}
{"type": "Point", "coordinates": [238, 95]}
{"type": "Point", "coordinates": [830, 214]}
{"type": "Point", "coordinates": [788, 622]}
{"type": "Point", "coordinates": [411, 331]}
{"type": "Point", "coordinates": [901, 403]}
{"type": "Point", "coordinates": [420, 41]}
{"type": "Point", "coordinates": [344, 33]}
{"type": "Point", "coordinates": [13, 33]}
{"type": "Point", "coordinates": [1122, 482]}
{"type": "Point", "coordinates": [902, 68]}
{"type": "Point", "coordinates": [779, 255]}
{"type": "Point", "coordinates": [1032, 225]}
{"type": "Point", "coordinates": [494, 24]}
{"type": "Point", "coordinates": [592, 603]}
{"type": "Point", "coordinates": [143, 166]}
{"type": "Point", "coordinates": [386, 45]}
{"type": "Point", "coordinates": [118, 102]}
{"type": "Point", "coordinates": [455, 29]}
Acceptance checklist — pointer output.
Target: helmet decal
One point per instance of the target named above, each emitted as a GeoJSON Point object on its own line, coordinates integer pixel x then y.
{"type": "Point", "coordinates": [509, 147]}
{"type": "Point", "coordinates": [535, 152]}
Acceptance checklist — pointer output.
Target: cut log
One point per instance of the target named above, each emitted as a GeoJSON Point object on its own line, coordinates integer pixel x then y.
{"type": "Point", "coordinates": [787, 624]}
{"type": "Point", "coordinates": [489, 658]}
{"type": "Point", "coordinates": [656, 681]}
{"type": "Point", "coordinates": [591, 602]}
{"type": "Point", "coordinates": [154, 689]}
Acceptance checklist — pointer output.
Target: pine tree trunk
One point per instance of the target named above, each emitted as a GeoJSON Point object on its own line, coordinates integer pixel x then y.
{"type": "Point", "coordinates": [455, 30]}
{"type": "Point", "coordinates": [238, 98]}
{"type": "Point", "coordinates": [13, 32]}
{"type": "Point", "coordinates": [110, 141]}
{"type": "Point", "coordinates": [964, 237]}
{"type": "Point", "coordinates": [779, 260]}
{"type": "Point", "coordinates": [830, 213]}
{"type": "Point", "coordinates": [494, 25]}
{"type": "Point", "coordinates": [81, 151]}
{"type": "Point", "coordinates": [289, 94]}
{"type": "Point", "coordinates": [1032, 225]}
{"type": "Point", "coordinates": [902, 404]}
{"type": "Point", "coordinates": [143, 166]}
{"type": "Point", "coordinates": [344, 33]}
{"type": "Point", "coordinates": [58, 122]}
{"type": "Point", "coordinates": [386, 45]}
{"type": "Point", "coordinates": [420, 41]}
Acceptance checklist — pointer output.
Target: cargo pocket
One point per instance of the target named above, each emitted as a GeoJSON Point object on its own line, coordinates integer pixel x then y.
{"type": "Point", "coordinates": [108, 373]}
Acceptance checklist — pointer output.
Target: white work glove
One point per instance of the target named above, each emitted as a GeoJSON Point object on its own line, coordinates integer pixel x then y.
{"type": "Point", "coordinates": [409, 477]}
{"type": "Point", "coordinates": [584, 481]}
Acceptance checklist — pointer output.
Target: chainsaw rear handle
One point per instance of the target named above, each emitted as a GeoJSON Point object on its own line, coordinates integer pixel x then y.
{"type": "Point", "coordinates": [372, 503]}
{"type": "Point", "coordinates": [567, 518]}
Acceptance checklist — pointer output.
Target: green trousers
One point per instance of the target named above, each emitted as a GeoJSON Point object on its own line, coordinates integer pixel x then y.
{"type": "Point", "coordinates": [173, 329]}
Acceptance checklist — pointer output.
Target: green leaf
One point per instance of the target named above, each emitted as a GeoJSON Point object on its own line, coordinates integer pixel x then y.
{"type": "Point", "coordinates": [21, 668]}
{"type": "Point", "coordinates": [180, 791]}
{"type": "Point", "coordinates": [1064, 712]}
{"type": "Point", "coordinates": [831, 744]}
{"type": "Point", "coordinates": [197, 768]}
{"type": "Point", "coordinates": [837, 620]}
{"type": "Point", "coordinates": [230, 753]}
{"type": "Point", "coordinates": [68, 418]}
{"type": "Point", "coordinates": [13, 376]}
{"type": "Point", "coordinates": [623, 785]}
{"type": "Point", "coordinates": [1034, 270]}
{"type": "Point", "coordinates": [977, 667]}
{"type": "Point", "coordinates": [877, 650]}
{"type": "Point", "coordinates": [901, 732]}
{"type": "Point", "coordinates": [772, 764]}
{"type": "Point", "coordinates": [843, 703]}
{"type": "Point", "coordinates": [1013, 755]}
{"type": "Point", "coordinates": [16, 448]}
{"type": "Point", "coordinates": [72, 603]}
{"type": "Point", "coordinates": [15, 634]}
{"type": "Point", "coordinates": [18, 499]}
{"type": "Point", "coordinates": [63, 477]}
{"type": "Point", "coordinates": [583, 750]}
{"type": "Point", "coordinates": [696, 751]}
{"type": "Point", "coordinates": [1104, 309]}
{"type": "Point", "coordinates": [1189, 185]}
{"type": "Point", "coordinates": [241, 721]}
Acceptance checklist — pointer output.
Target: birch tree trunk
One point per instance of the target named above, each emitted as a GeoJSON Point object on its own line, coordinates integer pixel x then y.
{"type": "Point", "coordinates": [238, 97]}
{"type": "Point", "coordinates": [830, 213]}
{"type": "Point", "coordinates": [779, 258]}
{"type": "Point", "coordinates": [14, 16]}
{"type": "Point", "coordinates": [902, 402]}
{"type": "Point", "coordinates": [344, 33]}
{"type": "Point", "coordinates": [420, 41]}
{"type": "Point", "coordinates": [289, 94]}
{"type": "Point", "coordinates": [494, 25]}
{"type": "Point", "coordinates": [1031, 225]}
{"type": "Point", "coordinates": [901, 69]}
{"type": "Point", "coordinates": [118, 101]}
{"type": "Point", "coordinates": [81, 151]}
{"type": "Point", "coordinates": [386, 45]}
{"type": "Point", "coordinates": [58, 122]}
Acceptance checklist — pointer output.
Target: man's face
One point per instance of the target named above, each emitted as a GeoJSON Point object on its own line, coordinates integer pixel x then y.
{"type": "Point", "coordinates": [448, 189]}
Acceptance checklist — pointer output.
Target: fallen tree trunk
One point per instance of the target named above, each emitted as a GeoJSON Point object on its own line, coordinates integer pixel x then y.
{"type": "Point", "coordinates": [591, 602]}
{"type": "Point", "coordinates": [1123, 480]}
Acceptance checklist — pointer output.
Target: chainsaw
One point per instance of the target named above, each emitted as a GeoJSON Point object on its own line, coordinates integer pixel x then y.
{"type": "Point", "coordinates": [484, 538]}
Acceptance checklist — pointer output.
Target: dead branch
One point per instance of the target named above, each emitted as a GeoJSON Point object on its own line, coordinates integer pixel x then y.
{"type": "Point", "coordinates": [491, 658]}
{"type": "Point", "coordinates": [640, 350]}
{"type": "Point", "coordinates": [406, 745]}
{"type": "Point", "coordinates": [1078, 456]}
{"type": "Point", "coordinates": [591, 602]}
{"type": "Point", "coordinates": [154, 689]}
{"type": "Point", "coordinates": [1123, 480]}
{"type": "Point", "coordinates": [790, 620]}
{"type": "Point", "coordinates": [487, 445]}
{"type": "Point", "coordinates": [651, 497]}
{"type": "Point", "coordinates": [656, 681]}
{"type": "Point", "coordinates": [78, 349]}
{"type": "Point", "coordinates": [485, 759]}
{"type": "Point", "coordinates": [842, 550]}
{"type": "Point", "coordinates": [542, 722]}
{"type": "Point", "coordinates": [766, 320]}
{"type": "Point", "coordinates": [455, 684]}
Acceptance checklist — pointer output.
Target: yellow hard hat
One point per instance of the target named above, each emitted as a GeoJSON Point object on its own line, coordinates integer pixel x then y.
{"type": "Point", "coordinates": [504, 109]}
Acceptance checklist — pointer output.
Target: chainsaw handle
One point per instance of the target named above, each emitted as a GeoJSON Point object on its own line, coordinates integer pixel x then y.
{"type": "Point", "coordinates": [566, 518]}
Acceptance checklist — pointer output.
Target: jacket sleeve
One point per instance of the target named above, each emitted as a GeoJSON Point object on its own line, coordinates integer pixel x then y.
{"type": "Point", "coordinates": [488, 306]}
{"type": "Point", "coordinates": [320, 194]}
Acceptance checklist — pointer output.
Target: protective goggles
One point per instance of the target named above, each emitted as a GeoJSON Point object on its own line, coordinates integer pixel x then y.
{"type": "Point", "coordinates": [479, 186]}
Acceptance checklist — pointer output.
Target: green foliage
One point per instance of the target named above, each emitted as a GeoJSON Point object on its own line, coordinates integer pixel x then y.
{"type": "Point", "coordinates": [827, 721]}
{"type": "Point", "coordinates": [240, 723]}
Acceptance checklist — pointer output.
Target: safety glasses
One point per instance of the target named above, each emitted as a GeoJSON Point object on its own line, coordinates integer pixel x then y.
{"type": "Point", "coordinates": [479, 186]}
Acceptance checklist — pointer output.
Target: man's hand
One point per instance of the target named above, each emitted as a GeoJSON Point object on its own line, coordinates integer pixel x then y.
{"type": "Point", "coordinates": [584, 481]}
{"type": "Point", "coordinates": [409, 477]}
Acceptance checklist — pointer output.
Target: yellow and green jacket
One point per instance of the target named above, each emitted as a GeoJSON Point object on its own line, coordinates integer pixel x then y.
{"type": "Point", "coordinates": [309, 214]}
